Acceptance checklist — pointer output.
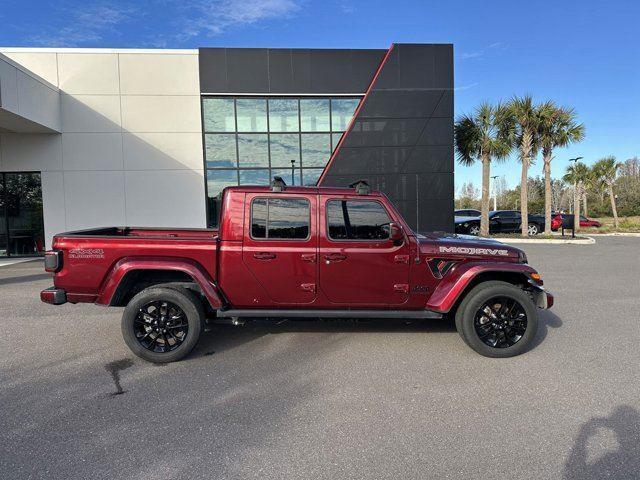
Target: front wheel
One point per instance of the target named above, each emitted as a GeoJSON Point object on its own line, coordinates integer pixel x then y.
{"type": "Point", "coordinates": [474, 230]}
{"type": "Point", "coordinates": [162, 324]}
{"type": "Point", "coordinates": [533, 229]}
{"type": "Point", "coordinates": [497, 319]}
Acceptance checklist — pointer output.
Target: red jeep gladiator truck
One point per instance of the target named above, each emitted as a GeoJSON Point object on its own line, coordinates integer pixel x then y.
{"type": "Point", "coordinates": [297, 252]}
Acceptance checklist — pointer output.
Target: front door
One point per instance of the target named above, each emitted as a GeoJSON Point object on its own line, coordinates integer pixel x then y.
{"type": "Point", "coordinates": [359, 264]}
{"type": "Point", "coordinates": [280, 246]}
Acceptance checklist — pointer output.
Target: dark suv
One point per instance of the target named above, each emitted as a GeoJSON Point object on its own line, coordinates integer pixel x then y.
{"type": "Point", "coordinates": [501, 221]}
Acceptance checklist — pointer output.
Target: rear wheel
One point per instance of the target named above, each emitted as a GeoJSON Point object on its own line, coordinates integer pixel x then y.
{"type": "Point", "coordinates": [474, 230]}
{"type": "Point", "coordinates": [497, 319]}
{"type": "Point", "coordinates": [533, 229]}
{"type": "Point", "coordinates": [163, 324]}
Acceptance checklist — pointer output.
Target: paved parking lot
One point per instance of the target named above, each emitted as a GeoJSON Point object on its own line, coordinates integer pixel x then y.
{"type": "Point", "coordinates": [334, 400]}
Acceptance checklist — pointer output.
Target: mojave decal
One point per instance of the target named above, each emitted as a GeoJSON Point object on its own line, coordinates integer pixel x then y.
{"type": "Point", "coordinates": [474, 251]}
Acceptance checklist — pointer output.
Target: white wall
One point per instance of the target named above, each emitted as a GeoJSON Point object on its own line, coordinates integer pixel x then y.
{"type": "Point", "coordinates": [130, 152]}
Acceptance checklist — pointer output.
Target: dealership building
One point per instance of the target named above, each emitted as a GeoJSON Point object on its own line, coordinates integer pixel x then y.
{"type": "Point", "coordinates": [114, 137]}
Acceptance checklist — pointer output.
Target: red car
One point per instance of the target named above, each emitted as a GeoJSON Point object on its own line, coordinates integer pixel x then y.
{"type": "Point", "coordinates": [556, 221]}
{"type": "Point", "coordinates": [297, 252]}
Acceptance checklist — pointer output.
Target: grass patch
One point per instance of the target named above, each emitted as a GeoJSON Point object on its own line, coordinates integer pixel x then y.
{"type": "Point", "coordinates": [626, 224]}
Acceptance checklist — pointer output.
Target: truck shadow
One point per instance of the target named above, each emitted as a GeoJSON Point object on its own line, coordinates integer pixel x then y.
{"type": "Point", "coordinates": [224, 337]}
{"type": "Point", "coordinates": [546, 320]}
{"type": "Point", "coordinates": [607, 447]}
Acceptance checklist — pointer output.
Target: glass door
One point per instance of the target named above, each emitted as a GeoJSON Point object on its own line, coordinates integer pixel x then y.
{"type": "Point", "coordinates": [3, 220]}
{"type": "Point", "coordinates": [21, 218]}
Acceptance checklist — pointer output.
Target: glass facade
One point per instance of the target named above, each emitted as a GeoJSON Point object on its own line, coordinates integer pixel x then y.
{"type": "Point", "coordinates": [21, 220]}
{"type": "Point", "coordinates": [249, 140]}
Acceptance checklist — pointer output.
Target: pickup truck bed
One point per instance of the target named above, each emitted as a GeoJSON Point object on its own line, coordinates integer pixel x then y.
{"type": "Point", "coordinates": [92, 258]}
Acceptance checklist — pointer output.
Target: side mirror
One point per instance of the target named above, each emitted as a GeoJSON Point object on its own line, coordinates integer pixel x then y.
{"type": "Point", "coordinates": [396, 234]}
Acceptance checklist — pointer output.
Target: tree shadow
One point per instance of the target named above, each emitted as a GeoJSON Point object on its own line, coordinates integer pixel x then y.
{"type": "Point", "coordinates": [224, 337]}
{"type": "Point", "coordinates": [591, 459]}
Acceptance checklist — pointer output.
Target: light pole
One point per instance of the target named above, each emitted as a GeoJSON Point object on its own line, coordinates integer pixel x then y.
{"type": "Point", "coordinates": [576, 199]}
{"type": "Point", "coordinates": [495, 207]}
{"type": "Point", "coordinates": [293, 172]}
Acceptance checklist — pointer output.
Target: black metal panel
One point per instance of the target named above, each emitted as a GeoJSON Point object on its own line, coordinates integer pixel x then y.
{"type": "Point", "coordinates": [402, 138]}
{"type": "Point", "coordinates": [289, 71]}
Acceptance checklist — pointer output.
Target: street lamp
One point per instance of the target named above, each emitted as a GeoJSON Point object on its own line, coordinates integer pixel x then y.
{"type": "Point", "coordinates": [495, 207]}
{"type": "Point", "coordinates": [293, 172]}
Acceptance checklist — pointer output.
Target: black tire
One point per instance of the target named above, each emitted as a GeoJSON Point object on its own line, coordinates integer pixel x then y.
{"type": "Point", "coordinates": [470, 306]}
{"type": "Point", "coordinates": [534, 229]}
{"type": "Point", "coordinates": [474, 229]}
{"type": "Point", "coordinates": [186, 301]}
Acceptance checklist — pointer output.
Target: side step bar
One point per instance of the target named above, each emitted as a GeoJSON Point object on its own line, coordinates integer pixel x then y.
{"type": "Point", "coordinates": [409, 314]}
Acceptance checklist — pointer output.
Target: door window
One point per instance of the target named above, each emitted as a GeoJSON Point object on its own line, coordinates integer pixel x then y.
{"type": "Point", "coordinates": [357, 220]}
{"type": "Point", "coordinates": [280, 218]}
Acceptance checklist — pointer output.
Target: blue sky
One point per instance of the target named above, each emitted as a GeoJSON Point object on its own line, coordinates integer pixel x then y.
{"type": "Point", "coordinates": [584, 54]}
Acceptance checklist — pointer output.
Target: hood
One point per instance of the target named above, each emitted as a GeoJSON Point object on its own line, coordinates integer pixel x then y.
{"type": "Point", "coordinates": [443, 245]}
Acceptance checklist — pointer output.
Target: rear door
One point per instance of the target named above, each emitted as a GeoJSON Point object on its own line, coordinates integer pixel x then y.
{"type": "Point", "coordinates": [359, 265]}
{"type": "Point", "coordinates": [280, 246]}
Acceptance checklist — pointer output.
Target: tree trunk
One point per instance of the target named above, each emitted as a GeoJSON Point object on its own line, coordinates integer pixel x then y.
{"type": "Point", "coordinates": [584, 204]}
{"type": "Point", "coordinates": [576, 207]}
{"type": "Point", "coordinates": [547, 193]}
{"type": "Point", "coordinates": [486, 175]}
{"type": "Point", "coordinates": [612, 197]}
{"type": "Point", "coordinates": [525, 154]}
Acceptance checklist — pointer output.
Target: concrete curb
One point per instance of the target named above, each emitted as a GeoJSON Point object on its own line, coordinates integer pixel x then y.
{"type": "Point", "coordinates": [617, 234]}
{"type": "Point", "coordinates": [571, 241]}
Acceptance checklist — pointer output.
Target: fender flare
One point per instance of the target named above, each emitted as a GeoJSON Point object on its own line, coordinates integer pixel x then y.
{"type": "Point", "coordinates": [185, 265]}
{"type": "Point", "coordinates": [453, 285]}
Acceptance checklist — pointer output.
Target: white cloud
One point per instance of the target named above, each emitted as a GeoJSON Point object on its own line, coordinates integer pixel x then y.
{"type": "Point", "coordinates": [481, 53]}
{"type": "Point", "coordinates": [215, 17]}
{"type": "Point", "coordinates": [86, 24]}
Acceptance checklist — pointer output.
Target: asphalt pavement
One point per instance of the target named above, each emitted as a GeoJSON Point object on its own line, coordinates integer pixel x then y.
{"type": "Point", "coordinates": [330, 400]}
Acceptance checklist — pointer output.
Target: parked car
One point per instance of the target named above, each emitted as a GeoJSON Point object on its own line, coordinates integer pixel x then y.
{"type": "Point", "coordinates": [468, 212]}
{"type": "Point", "coordinates": [500, 221]}
{"type": "Point", "coordinates": [291, 252]}
{"type": "Point", "coordinates": [584, 221]}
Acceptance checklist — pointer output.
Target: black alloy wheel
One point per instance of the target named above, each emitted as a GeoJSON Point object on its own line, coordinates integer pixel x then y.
{"type": "Point", "coordinates": [160, 326]}
{"type": "Point", "coordinates": [500, 322]}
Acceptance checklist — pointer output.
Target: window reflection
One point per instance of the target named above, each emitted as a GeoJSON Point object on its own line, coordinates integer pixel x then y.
{"type": "Point", "coordinates": [217, 180]}
{"type": "Point", "coordinates": [220, 150]}
{"type": "Point", "coordinates": [218, 114]}
{"type": "Point", "coordinates": [357, 220]}
{"type": "Point", "coordinates": [254, 177]}
{"type": "Point", "coordinates": [280, 218]}
{"type": "Point", "coordinates": [284, 148]}
{"type": "Point", "coordinates": [285, 174]}
{"type": "Point", "coordinates": [283, 115]}
{"type": "Point", "coordinates": [253, 150]}
{"type": "Point", "coordinates": [342, 109]}
{"type": "Point", "coordinates": [316, 149]}
{"type": "Point", "coordinates": [314, 115]}
{"type": "Point", "coordinates": [252, 115]}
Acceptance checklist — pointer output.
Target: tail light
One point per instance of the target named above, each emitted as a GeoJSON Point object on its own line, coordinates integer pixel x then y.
{"type": "Point", "coordinates": [53, 260]}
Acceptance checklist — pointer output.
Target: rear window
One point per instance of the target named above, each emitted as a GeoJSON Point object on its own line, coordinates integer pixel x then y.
{"type": "Point", "coordinates": [280, 218]}
{"type": "Point", "coordinates": [357, 220]}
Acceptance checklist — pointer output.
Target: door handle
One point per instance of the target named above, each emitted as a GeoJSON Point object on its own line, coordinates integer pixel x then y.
{"type": "Point", "coordinates": [264, 256]}
{"type": "Point", "coordinates": [334, 257]}
{"type": "Point", "coordinates": [308, 257]}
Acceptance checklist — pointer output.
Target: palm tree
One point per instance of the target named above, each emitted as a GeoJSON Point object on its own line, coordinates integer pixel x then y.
{"type": "Point", "coordinates": [607, 169]}
{"type": "Point", "coordinates": [558, 128]}
{"type": "Point", "coordinates": [577, 174]}
{"type": "Point", "coordinates": [479, 137]}
{"type": "Point", "coordinates": [523, 121]}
